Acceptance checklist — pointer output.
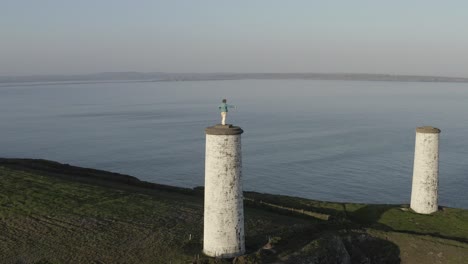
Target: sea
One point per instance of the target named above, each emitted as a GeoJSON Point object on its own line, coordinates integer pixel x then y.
{"type": "Point", "coordinates": [344, 141]}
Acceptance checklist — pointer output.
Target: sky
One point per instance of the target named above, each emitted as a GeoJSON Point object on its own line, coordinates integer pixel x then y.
{"type": "Point", "coordinates": [414, 37]}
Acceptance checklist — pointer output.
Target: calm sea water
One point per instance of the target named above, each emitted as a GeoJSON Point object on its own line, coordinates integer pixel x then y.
{"type": "Point", "coordinates": [326, 140]}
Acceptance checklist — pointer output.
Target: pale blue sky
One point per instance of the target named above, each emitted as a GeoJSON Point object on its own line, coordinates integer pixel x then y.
{"type": "Point", "coordinates": [397, 37]}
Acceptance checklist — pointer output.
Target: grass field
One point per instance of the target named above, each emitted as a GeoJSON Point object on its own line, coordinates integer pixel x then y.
{"type": "Point", "coordinates": [56, 213]}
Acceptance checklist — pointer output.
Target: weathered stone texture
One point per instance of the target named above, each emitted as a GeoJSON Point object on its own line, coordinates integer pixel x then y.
{"type": "Point", "coordinates": [424, 194]}
{"type": "Point", "coordinates": [224, 212]}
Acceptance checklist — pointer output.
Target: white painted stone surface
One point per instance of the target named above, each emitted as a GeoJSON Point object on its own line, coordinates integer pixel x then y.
{"type": "Point", "coordinates": [424, 193]}
{"type": "Point", "coordinates": [223, 234]}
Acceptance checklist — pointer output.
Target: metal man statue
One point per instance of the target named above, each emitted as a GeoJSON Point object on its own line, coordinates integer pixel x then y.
{"type": "Point", "coordinates": [224, 110]}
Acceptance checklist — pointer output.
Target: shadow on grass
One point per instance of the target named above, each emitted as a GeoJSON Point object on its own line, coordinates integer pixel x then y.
{"type": "Point", "coordinates": [355, 216]}
{"type": "Point", "coordinates": [369, 216]}
{"type": "Point", "coordinates": [332, 247]}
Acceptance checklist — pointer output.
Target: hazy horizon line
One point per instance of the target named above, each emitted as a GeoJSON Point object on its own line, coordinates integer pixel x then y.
{"type": "Point", "coordinates": [228, 72]}
{"type": "Point", "coordinates": [114, 77]}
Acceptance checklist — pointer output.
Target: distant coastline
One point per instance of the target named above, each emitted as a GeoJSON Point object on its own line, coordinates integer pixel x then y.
{"type": "Point", "coordinates": [32, 80]}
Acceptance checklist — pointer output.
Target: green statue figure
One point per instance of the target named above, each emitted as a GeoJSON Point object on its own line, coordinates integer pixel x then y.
{"type": "Point", "coordinates": [224, 110]}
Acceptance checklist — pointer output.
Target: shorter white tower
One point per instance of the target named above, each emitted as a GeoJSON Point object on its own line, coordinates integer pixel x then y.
{"type": "Point", "coordinates": [223, 234]}
{"type": "Point", "coordinates": [424, 193]}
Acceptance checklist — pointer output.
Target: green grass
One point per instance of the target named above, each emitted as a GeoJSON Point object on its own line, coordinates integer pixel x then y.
{"type": "Point", "coordinates": [44, 217]}
{"type": "Point", "coordinates": [55, 213]}
{"type": "Point", "coordinates": [44, 214]}
{"type": "Point", "coordinates": [450, 223]}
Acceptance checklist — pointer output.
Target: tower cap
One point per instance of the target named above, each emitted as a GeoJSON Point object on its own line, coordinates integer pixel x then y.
{"type": "Point", "coordinates": [224, 130]}
{"type": "Point", "coordinates": [427, 130]}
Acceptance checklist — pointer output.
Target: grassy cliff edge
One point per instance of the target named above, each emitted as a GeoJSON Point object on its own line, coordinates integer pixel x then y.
{"type": "Point", "coordinates": [57, 213]}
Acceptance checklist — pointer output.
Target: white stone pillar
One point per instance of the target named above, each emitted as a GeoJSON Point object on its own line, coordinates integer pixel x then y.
{"type": "Point", "coordinates": [424, 193]}
{"type": "Point", "coordinates": [223, 234]}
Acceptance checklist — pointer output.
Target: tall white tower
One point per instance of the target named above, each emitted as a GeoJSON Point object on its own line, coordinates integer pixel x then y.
{"type": "Point", "coordinates": [424, 193]}
{"type": "Point", "coordinates": [223, 234]}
